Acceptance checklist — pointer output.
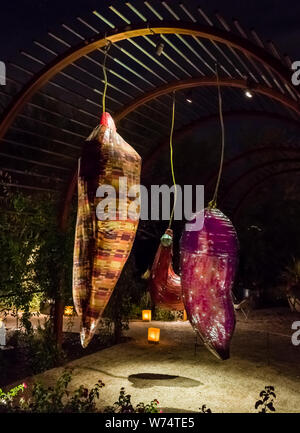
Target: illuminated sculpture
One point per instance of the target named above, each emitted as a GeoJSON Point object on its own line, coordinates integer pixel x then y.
{"type": "Point", "coordinates": [164, 285]}
{"type": "Point", "coordinates": [102, 246]}
{"type": "Point", "coordinates": [208, 265]}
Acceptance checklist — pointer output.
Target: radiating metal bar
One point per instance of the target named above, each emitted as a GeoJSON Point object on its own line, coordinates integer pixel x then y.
{"type": "Point", "coordinates": [50, 125]}
{"type": "Point", "coordinates": [260, 43]}
{"type": "Point", "coordinates": [208, 20]}
{"type": "Point", "coordinates": [94, 61]}
{"type": "Point", "coordinates": [254, 64]}
{"type": "Point", "coordinates": [38, 149]}
{"type": "Point", "coordinates": [236, 55]}
{"type": "Point", "coordinates": [34, 188]}
{"type": "Point", "coordinates": [32, 173]}
{"type": "Point", "coordinates": [177, 50]}
{"type": "Point", "coordinates": [200, 43]}
{"type": "Point", "coordinates": [31, 161]}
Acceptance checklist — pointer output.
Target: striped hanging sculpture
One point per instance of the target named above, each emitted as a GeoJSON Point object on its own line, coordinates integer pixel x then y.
{"type": "Point", "coordinates": [102, 246]}
{"type": "Point", "coordinates": [165, 285]}
{"type": "Point", "coordinates": [208, 263]}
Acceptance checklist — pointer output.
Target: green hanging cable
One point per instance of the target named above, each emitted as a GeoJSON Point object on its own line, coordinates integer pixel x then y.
{"type": "Point", "coordinates": [171, 159]}
{"type": "Point", "coordinates": [213, 202]}
{"type": "Point", "coordinates": [106, 49]}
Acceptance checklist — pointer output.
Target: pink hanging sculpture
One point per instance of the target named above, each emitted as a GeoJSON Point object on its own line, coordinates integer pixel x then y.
{"type": "Point", "coordinates": [165, 285]}
{"type": "Point", "coordinates": [102, 246]}
{"type": "Point", "coordinates": [208, 264]}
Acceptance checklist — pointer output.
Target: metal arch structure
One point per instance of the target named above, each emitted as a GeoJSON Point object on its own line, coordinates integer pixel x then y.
{"type": "Point", "coordinates": [259, 183]}
{"type": "Point", "coordinates": [228, 115]}
{"type": "Point", "coordinates": [241, 56]}
{"type": "Point", "coordinates": [178, 135]}
{"type": "Point", "coordinates": [256, 150]}
{"type": "Point", "coordinates": [205, 82]}
{"type": "Point", "coordinates": [100, 41]}
{"type": "Point", "coordinates": [240, 179]}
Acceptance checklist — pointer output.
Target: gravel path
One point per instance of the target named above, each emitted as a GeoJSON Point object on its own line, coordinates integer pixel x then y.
{"type": "Point", "coordinates": [183, 381]}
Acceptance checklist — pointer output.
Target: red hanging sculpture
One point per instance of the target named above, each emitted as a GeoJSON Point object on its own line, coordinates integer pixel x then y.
{"type": "Point", "coordinates": [165, 285]}
{"type": "Point", "coordinates": [102, 246]}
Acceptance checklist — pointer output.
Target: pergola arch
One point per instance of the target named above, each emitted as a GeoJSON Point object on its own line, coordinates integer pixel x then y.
{"type": "Point", "coordinates": [254, 50]}
{"type": "Point", "coordinates": [100, 41]}
{"type": "Point", "coordinates": [259, 183]}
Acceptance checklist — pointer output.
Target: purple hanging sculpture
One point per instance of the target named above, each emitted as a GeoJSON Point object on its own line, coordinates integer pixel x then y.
{"type": "Point", "coordinates": [208, 264]}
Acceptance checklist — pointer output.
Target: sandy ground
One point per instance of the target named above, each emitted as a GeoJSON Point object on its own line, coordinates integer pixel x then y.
{"type": "Point", "coordinates": [183, 380]}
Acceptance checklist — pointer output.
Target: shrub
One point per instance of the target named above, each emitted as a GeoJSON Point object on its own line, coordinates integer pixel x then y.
{"type": "Point", "coordinates": [124, 405]}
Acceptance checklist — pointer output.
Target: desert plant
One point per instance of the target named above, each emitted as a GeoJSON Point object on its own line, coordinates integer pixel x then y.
{"type": "Point", "coordinates": [58, 399]}
{"type": "Point", "coordinates": [291, 276]}
{"type": "Point", "coordinates": [7, 399]}
{"type": "Point", "coordinates": [267, 397]}
{"type": "Point", "coordinates": [124, 405]}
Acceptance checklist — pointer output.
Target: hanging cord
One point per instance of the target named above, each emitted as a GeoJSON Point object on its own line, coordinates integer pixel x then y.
{"type": "Point", "coordinates": [171, 159]}
{"type": "Point", "coordinates": [106, 49]}
{"type": "Point", "coordinates": [213, 203]}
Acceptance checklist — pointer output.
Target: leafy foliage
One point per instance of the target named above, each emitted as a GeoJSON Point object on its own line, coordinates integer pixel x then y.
{"type": "Point", "coordinates": [267, 397]}
{"type": "Point", "coordinates": [124, 405]}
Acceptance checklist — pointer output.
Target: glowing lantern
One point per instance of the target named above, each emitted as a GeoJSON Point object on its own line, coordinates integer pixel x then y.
{"type": "Point", "coordinates": [153, 335]}
{"type": "Point", "coordinates": [69, 310]}
{"type": "Point", "coordinates": [208, 264]}
{"type": "Point", "coordinates": [146, 314]}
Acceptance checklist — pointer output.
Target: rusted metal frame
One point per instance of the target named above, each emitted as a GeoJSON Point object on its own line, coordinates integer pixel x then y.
{"type": "Point", "coordinates": [256, 185]}
{"type": "Point", "coordinates": [209, 81]}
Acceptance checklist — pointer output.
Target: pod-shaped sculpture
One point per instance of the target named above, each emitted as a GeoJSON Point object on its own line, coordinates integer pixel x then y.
{"type": "Point", "coordinates": [164, 284]}
{"type": "Point", "coordinates": [208, 260]}
{"type": "Point", "coordinates": [105, 227]}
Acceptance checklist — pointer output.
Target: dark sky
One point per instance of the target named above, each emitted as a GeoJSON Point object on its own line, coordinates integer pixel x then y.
{"type": "Point", "coordinates": [23, 20]}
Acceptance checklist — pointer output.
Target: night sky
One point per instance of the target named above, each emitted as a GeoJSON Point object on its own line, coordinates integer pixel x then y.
{"type": "Point", "coordinates": [22, 21]}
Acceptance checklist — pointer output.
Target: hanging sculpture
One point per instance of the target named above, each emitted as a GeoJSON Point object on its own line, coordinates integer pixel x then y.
{"type": "Point", "coordinates": [208, 265]}
{"type": "Point", "coordinates": [102, 246]}
{"type": "Point", "coordinates": [165, 285]}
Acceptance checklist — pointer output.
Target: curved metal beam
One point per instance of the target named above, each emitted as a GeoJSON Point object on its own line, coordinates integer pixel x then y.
{"type": "Point", "coordinates": [205, 82]}
{"type": "Point", "coordinates": [253, 188]}
{"type": "Point", "coordinates": [99, 41]}
{"type": "Point", "coordinates": [244, 175]}
{"type": "Point", "coordinates": [179, 133]}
